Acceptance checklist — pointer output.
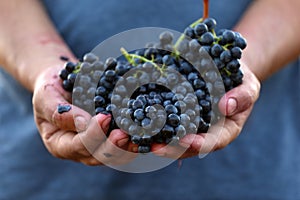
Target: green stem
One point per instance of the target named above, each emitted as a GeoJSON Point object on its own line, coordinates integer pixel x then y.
{"type": "Point", "coordinates": [227, 72]}
{"type": "Point", "coordinates": [127, 56]}
{"type": "Point", "coordinates": [77, 68]}
{"type": "Point", "coordinates": [182, 36]}
{"type": "Point", "coordinates": [130, 58]}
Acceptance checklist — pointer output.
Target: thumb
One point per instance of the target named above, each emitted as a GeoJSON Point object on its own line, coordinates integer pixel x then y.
{"type": "Point", "coordinates": [235, 102]}
{"type": "Point", "coordinates": [242, 97]}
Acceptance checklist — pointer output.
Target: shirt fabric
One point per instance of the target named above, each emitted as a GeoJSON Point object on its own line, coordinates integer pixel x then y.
{"type": "Point", "coordinates": [262, 163]}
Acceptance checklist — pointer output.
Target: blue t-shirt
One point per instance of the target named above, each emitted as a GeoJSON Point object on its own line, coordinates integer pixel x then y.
{"type": "Point", "coordinates": [262, 163]}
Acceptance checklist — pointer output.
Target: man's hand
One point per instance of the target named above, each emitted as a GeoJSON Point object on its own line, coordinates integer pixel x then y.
{"type": "Point", "coordinates": [236, 106]}
{"type": "Point", "coordinates": [75, 135]}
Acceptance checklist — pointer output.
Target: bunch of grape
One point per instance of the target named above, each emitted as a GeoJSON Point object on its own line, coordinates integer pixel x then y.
{"type": "Point", "coordinates": [162, 92]}
{"type": "Point", "coordinates": [224, 47]}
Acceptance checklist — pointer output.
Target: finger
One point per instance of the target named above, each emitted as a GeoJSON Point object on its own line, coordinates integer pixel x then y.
{"type": "Point", "coordinates": [60, 145]}
{"type": "Point", "coordinates": [188, 146]}
{"type": "Point", "coordinates": [46, 107]}
{"type": "Point", "coordinates": [70, 145]}
{"type": "Point", "coordinates": [242, 97]}
{"type": "Point", "coordinates": [95, 134]}
{"type": "Point", "coordinates": [114, 151]}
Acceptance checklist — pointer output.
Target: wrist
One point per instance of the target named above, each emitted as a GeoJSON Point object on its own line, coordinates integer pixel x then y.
{"type": "Point", "coordinates": [29, 65]}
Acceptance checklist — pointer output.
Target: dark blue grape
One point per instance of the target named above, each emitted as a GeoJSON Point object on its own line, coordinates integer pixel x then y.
{"type": "Point", "coordinates": [171, 109]}
{"type": "Point", "coordinates": [146, 140]}
{"type": "Point", "coordinates": [189, 32]}
{"type": "Point", "coordinates": [121, 69]}
{"type": "Point", "coordinates": [111, 63]}
{"type": "Point", "coordinates": [192, 76]}
{"type": "Point", "coordinates": [67, 85]}
{"type": "Point", "coordinates": [144, 149]}
{"type": "Point", "coordinates": [200, 29]}
{"type": "Point", "coordinates": [185, 68]}
{"type": "Point", "coordinates": [206, 105]}
{"type": "Point", "coordinates": [226, 56]}
{"type": "Point", "coordinates": [210, 23]}
{"type": "Point", "coordinates": [136, 139]}
{"type": "Point", "coordinates": [99, 101]}
{"type": "Point", "coordinates": [219, 64]}
{"type": "Point", "coordinates": [240, 42]}
{"type": "Point", "coordinates": [228, 37]}
{"type": "Point", "coordinates": [137, 104]}
{"type": "Point", "coordinates": [167, 102]}
{"type": "Point", "coordinates": [173, 120]}
{"type": "Point", "coordinates": [70, 66]}
{"type": "Point", "coordinates": [198, 84]}
{"type": "Point", "coordinates": [168, 60]}
{"type": "Point", "coordinates": [139, 114]}
{"type": "Point", "coordinates": [110, 75]}
{"type": "Point", "coordinates": [146, 123]}
{"type": "Point", "coordinates": [101, 91]}
{"type": "Point", "coordinates": [72, 77]}
{"type": "Point", "coordinates": [200, 94]}
{"type": "Point", "coordinates": [236, 52]}
{"type": "Point", "coordinates": [233, 66]}
{"type": "Point", "coordinates": [168, 131]}
{"type": "Point", "coordinates": [216, 50]}
{"type": "Point", "coordinates": [207, 39]}
{"type": "Point", "coordinates": [63, 74]}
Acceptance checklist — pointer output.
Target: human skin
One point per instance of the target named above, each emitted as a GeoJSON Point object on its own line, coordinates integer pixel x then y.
{"type": "Point", "coordinates": [32, 58]}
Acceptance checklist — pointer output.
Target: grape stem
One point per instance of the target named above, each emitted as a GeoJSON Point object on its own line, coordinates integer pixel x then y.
{"type": "Point", "coordinates": [130, 58]}
{"type": "Point", "coordinates": [205, 9]}
{"type": "Point", "coordinates": [77, 68]}
{"type": "Point", "coordinates": [182, 36]}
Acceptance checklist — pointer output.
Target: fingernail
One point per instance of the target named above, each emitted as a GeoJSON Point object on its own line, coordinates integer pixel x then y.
{"type": "Point", "coordinates": [231, 106]}
{"type": "Point", "coordinates": [122, 142]}
{"type": "Point", "coordinates": [106, 122]}
{"type": "Point", "coordinates": [80, 123]}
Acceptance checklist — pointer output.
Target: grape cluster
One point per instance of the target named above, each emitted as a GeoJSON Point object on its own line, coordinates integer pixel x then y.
{"type": "Point", "coordinates": [224, 47]}
{"type": "Point", "coordinates": [162, 92]}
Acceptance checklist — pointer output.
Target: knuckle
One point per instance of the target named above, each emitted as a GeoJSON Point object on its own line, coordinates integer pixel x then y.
{"type": "Point", "coordinates": [53, 151]}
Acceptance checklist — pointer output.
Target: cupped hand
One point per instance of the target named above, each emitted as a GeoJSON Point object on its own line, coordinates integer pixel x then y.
{"type": "Point", "coordinates": [236, 105]}
{"type": "Point", "coordinates": [75, 135]}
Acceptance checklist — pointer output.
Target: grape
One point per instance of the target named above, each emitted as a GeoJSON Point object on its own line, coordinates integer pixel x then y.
{"type": "Point", "coordinates": [228, 37]}
{"type": "Point", "coordinates": [154, 113]}
{"type": "Point", "coordinates": [236, 52]}
{"type": "Point", "coordinates": [90, 58]}
{"type": "Point", "coordinates": [207, 39]}
{"type": "Point", "coordinates": [166, 38]}
{"type": "Point", "coordinates": [216, 50]}
{"type": "Point", "coordinates": [210, 23]}
{"type": "Point", "coordinates": [225, 56]}
{"type": "Point", "coordinates": [70, 67]}
{"type": "Point", "coordinates": [63, 74]}
{"type": "Point", "coordinates": [200, 29]}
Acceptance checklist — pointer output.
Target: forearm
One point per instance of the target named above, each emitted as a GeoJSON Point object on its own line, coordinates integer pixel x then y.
{"type": "Point", "coordinates": [29, 42]}
{"type": "Point", "coordinates": [271, 28]}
